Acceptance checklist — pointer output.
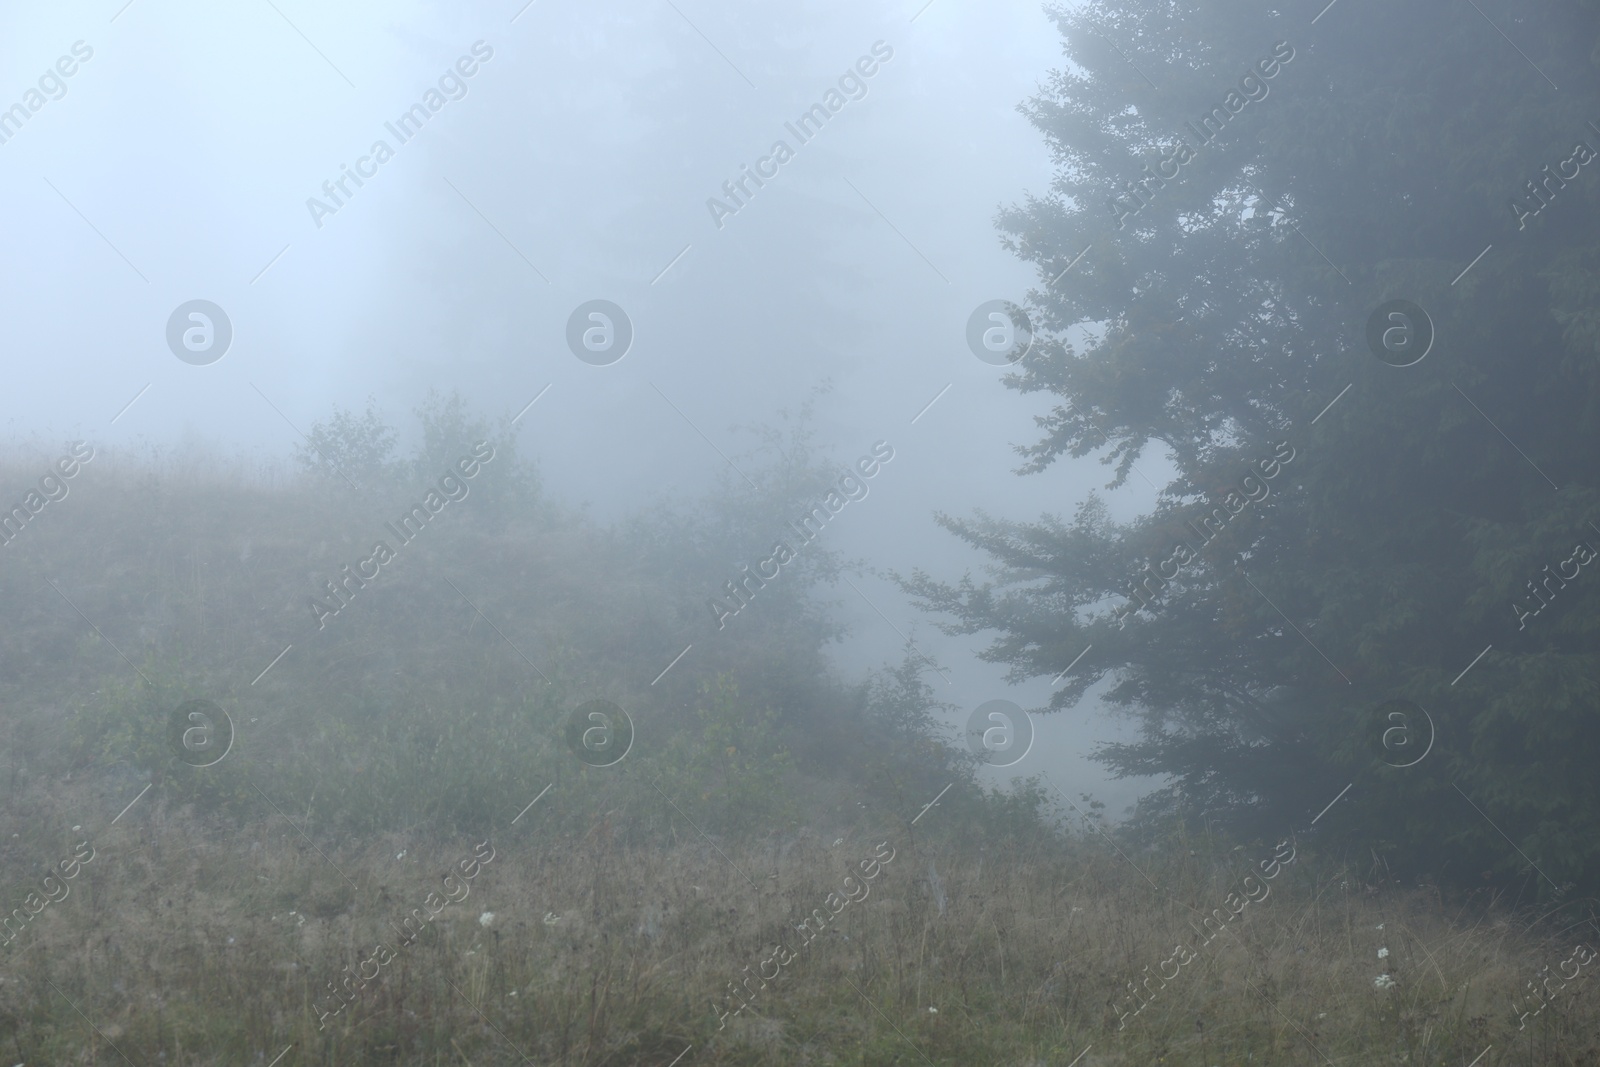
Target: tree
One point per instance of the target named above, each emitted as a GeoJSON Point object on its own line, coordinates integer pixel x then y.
{"type": "Point", "coordinates": [1335, 558]}
{"type": "Point", "coordinates": [345, 445]}
{"type": "Point", "coordinates": [450, 432]}
{"type": "Point", "coordinates": [360, 451]}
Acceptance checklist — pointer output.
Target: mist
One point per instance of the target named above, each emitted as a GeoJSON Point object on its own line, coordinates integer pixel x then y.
{"type": "Point", "coordinates": [1060, 460]}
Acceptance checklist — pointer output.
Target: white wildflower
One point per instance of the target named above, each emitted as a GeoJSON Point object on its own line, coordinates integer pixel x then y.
{"type": "Point", "coordinates": [551, 918]}
{"type": "Point", "coordinates": [486, 918]}
{"type": "Point", "coordinates": [1383, 953]}
{"type": "Point", "coordinates": [1383, 981]}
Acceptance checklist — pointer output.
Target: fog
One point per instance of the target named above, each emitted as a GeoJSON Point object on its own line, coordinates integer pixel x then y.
{"type": "Point", "coordinates": [577, 164]}
{"type": "Point", "coordinates": [682, 469]}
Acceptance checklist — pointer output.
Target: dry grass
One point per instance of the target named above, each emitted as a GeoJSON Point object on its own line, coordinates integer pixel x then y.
{"type": "Point", "coordinates": [206, 938]}
{"type": "Point", "coordinates": [185, 944]}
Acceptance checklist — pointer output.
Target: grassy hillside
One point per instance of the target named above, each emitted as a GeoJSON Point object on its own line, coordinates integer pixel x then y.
{"type": "Point", "coordinates": [399, 857]}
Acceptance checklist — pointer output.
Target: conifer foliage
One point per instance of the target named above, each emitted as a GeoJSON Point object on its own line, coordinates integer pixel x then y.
{"type": "Point", "coordinates": [1228, 273]}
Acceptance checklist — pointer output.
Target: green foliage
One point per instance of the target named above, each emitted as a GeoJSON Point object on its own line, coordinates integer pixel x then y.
{"type": "Point", "coordinates": [509, 485]}
{"type": "Point", "coordinates": [350, 446]}
{"type": "Point", "coordinates": [732, 767]}
{"type": "Point", "coordinates": [1387, 553]}
{"type": "Point", "coordinates": [903, 747]}
{"type": "Point", "coordinates": [360, 450]}
{"type": "Point", "coordinates": [436, 700]}
{"type": "Point", "coordinates": [482, 755]}
{"type": "Point", "coordinates": [137, 723]}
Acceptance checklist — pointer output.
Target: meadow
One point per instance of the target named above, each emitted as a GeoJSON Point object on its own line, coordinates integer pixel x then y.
{"type": "Point", "coordinates": [398, 858]}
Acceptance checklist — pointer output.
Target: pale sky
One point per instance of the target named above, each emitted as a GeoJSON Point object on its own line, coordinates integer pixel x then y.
{"type": "Point", "coordinates": [575, 165]}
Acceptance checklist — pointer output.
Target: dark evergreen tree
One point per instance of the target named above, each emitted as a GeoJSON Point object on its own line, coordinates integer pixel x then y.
{"type": "Point", "coordinates": [1220, 307]}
